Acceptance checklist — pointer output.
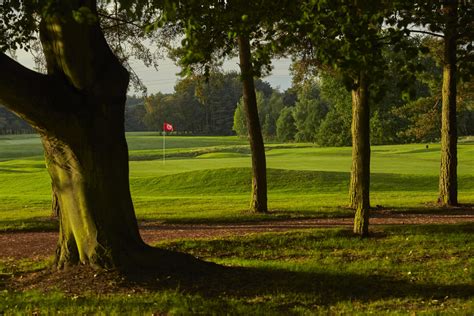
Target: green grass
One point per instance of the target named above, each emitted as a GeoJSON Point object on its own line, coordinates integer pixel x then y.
{"type": "Point", "coordinates": [208, 179]}
{"type": "Point", "coordinates": [401, 270]}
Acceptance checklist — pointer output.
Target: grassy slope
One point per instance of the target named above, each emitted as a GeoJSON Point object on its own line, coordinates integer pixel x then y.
{"type": "Point", "coordinates": [214, 178]}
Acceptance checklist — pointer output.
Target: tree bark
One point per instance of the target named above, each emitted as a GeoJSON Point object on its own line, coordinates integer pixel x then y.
{"type": "Point", "coordinates": [54, 204]}
{"type": "Point", "coordinates": [360, 172]}
{"type": "Point", "coordinates": [259, 177]}
{"type": "Point", "coordinates": [78, 109]}
{"type": "Point", "coordinates": [448, 191]}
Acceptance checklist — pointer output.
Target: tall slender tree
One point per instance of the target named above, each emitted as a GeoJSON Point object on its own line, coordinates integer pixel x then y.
{"type": "Point", "coordinates": [348, 36]}
{"type": "Point", "coordinates": [453, 22]}
{"type": "Point", "coordinates": [448, 186]}
{"type": "Point", "coordinates": [216, 29]}
{"type": "Point", "coordinates": [259, 165]}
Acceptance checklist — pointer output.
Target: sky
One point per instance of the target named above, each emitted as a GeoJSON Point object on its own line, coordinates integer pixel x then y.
{"type": "Point", "coordinates": [165, 78]}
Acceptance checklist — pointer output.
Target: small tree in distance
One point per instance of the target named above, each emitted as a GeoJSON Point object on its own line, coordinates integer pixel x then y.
{"type": "Point", "coordinates": [285, 125]}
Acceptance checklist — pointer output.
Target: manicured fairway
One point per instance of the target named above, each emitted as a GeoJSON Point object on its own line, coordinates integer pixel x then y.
{"type": "Point", "coordinates": [208, 178]}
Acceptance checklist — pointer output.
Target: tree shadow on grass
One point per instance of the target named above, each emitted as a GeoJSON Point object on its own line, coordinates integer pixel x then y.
{"type": "Point", "coordinates": [281, 288]}
{"type": "Point", "coordinates": [314, 287]}
{"type": "Point", "coordinates": [301, 287]}
{"type": "Point", "coordinates": [284, 288]}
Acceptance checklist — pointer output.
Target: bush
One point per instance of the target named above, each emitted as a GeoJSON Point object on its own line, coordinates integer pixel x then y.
{"type": "Point", "coordinates": [285, 125]}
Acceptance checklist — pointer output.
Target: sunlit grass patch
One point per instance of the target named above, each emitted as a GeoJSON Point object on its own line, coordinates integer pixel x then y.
{"type": "Point", "coordinates": [209, 179]}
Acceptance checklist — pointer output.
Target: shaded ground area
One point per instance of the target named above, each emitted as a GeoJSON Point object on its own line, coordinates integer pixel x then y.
{"type": "Point", "coordinates": [238, 282]}
{"type": "Point", "coordinates": [21, 245]}
{"type": "Point", "coordinates": [389, 272]}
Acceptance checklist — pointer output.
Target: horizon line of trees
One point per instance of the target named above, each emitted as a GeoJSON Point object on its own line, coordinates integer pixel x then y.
{"type": "Point", "coordinates": [317, 110]}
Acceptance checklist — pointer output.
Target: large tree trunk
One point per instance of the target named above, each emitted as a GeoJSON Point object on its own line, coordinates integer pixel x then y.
{"type": "Point", "coordinates": [448, 190]}
{"type": "Point", "coordinates": [259, 165]}
{"type": "Point", "coordinates": [89, 172]}
{"type": "Point", "coordinates": [54, 203]}
{"type": "Point", "coordinates": [360, 172]}
{"type": "Point", "coordinates": [78, 109]}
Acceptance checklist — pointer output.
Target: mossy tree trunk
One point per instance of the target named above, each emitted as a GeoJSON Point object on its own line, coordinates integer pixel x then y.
{"type": "Point", "coordinates": [54, 204]}
{"type": "Point", "coordinates": [259, 168]}
{"type": "Point", "coordinates": [448, 191]}
{"type": "Point", "coordinates": [360, 172]}
{"type": "Point", "coordinates": [78, 109]}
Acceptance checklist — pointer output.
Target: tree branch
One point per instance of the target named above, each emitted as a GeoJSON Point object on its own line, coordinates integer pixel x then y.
{"type": "Point", "coordinates": [427, 33]}
{"type": "Point", "coordinates": [21, 87]}
{"type": "Point", "coordinates": [36, 97]}
{"type": "Point", "coordinates": [122, 21]}
{"type": "Point", "coordinates": [80, 53]}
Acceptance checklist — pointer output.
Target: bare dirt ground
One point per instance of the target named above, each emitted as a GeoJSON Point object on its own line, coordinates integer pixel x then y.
{"type": "Point", "coordinates": [38, 245]}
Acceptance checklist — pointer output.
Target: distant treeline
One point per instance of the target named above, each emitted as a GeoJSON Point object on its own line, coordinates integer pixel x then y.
{"type": "Point", "coordinates": [322, 115]}
{"type": "Point", "coordinates": [314, 110]}
{"type": "Point", "coordinates": [202, 106]}
{"type": "Point", "coordinates": [12, 124]}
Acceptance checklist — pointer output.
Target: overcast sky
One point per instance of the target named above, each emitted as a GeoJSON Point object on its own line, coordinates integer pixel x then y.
{"type": "Point", "coordinates": [165, 78]}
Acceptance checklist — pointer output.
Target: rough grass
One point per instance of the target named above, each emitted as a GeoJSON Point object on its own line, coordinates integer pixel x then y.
{"type": "Point", "coordinates": [401, 270]}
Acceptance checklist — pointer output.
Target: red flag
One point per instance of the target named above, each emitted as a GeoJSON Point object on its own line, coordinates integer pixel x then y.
{"type": "Point", "coordinates": [167, 127]}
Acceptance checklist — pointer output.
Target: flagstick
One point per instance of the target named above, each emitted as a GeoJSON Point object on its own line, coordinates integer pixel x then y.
{"type": "Point", "coordinates": [164, 147]}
